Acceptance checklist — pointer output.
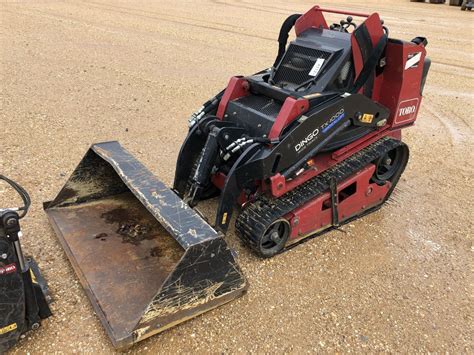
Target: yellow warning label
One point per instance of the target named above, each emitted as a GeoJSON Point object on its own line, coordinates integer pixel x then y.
{"type": "Point", "coordinates": [224, 218]}
{"type": "Point", "coordinates": [8, 328]}
{"type": "Point", "coordinates": [33, 277]}
{"type": "Point", "coordinates": [367, 118]}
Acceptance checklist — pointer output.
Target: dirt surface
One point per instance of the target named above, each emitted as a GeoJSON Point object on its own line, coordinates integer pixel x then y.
{"type": "Point", "coordinates": [78, 72]}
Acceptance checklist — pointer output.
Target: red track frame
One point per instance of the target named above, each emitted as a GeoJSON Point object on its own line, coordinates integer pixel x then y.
{"type": "Point", "coordinates": [317, 214]}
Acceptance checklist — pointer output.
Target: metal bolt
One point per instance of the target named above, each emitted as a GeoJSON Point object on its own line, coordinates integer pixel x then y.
{"type": "Point", "coordinates": [226, 137]}
{"type": "Point", "coordinates": [4, 256]}
{"type": "Point", "coordinates": [35, 326]}
{"type": "Point", "coordinates": [369, 191]}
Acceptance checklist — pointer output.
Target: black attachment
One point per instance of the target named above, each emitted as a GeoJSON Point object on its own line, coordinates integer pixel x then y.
{"type": "Point", "coordinates": [22, 301]}
{"type": "Point", "coordinates": [112, 196]}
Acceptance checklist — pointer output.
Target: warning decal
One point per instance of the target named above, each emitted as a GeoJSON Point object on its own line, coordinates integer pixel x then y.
{"type": "Point", "coordinates": [316, 67]}
{"type": "Point", "coordinates": [413, 60]}
{"type": "Point", "coordinates": [366, 118]}
{"type": "Point", "coordinates": [8, 328]}
{"type": "Point", "coordinates": [7, 269]}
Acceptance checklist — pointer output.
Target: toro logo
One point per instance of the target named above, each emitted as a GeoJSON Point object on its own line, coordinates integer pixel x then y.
{"type": "Point", "coordinates": [406, 111]}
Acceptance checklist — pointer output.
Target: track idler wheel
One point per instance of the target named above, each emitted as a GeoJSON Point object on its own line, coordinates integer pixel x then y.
{"type": "Point", "coordinates": [273, 240]}
{"type": "Point", "coordinates": [390, 165]}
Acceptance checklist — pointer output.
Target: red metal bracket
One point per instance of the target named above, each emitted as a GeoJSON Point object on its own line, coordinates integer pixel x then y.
{"type": "Point", "coordinates": [314, 18]}
{"type": "Point", "coordinates": [375, 29]}
{"type": "Point", "coordinates": [291, 109]}
{"type": "Point", "coordinates": [316, 214]}
{"type": "Point", "coordinates": [343, 12]}
{"type": "Point", "coordinates": [236, 88]}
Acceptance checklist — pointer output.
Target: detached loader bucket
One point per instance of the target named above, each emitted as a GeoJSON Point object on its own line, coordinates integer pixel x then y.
{"type": "Point", "coordinates": [146, 260]}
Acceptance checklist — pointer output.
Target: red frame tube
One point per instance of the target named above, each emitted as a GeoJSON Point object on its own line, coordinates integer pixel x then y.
{"type": "Point", "coordinates": [342, 12]}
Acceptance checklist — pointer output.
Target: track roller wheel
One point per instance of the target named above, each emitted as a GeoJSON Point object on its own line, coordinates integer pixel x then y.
{"type": "Point", "coordinates": [273, 240]}
{"type": "Point", "coordinates": [390, 165]}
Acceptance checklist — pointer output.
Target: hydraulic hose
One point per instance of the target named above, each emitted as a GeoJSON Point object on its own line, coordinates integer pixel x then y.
{"type": "Point", "coordinates": [23, 194]}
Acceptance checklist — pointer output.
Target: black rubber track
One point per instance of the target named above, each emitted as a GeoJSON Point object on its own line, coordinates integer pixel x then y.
{"type": "Point", "coordinates": [258, 215]}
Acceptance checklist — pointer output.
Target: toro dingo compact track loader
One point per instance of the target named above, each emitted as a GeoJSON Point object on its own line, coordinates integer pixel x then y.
{"type": "Point", "coordinates": [299, 148]}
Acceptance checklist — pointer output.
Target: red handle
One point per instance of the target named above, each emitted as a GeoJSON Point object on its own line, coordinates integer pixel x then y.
{"type": "Point", "coordinates": [315, 18]}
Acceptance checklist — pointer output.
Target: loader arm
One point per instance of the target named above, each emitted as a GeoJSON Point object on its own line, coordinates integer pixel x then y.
{"type": "Point", "coordinates": [311, 133]}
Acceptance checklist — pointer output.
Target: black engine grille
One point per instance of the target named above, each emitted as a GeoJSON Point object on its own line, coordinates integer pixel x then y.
{"type": "Point", "coordinates": [296, 65]}
{"type": "Point", "coordinates": [262, 104]}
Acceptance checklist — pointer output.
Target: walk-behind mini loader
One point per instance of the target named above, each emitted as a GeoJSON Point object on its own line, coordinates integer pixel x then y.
{"type": "Point", "coordinates": [304, 146]}
{"type": "Point", "coordinates": [23, 292]}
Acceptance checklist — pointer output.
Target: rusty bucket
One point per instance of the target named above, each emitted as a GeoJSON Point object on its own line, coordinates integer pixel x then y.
{"type": "Point", "coordinates": [146, 260]}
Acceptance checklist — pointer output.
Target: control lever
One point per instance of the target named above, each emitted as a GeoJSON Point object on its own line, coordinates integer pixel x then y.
{"type": "Point", "coordinates": [344, 25]}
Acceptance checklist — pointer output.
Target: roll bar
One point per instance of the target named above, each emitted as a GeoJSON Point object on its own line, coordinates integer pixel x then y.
{"type": "Point", "coordinates": [342, 12]}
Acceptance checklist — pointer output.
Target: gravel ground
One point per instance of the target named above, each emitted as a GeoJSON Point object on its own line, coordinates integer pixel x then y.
{"type": "Point", "coordinates": [399, 280]}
